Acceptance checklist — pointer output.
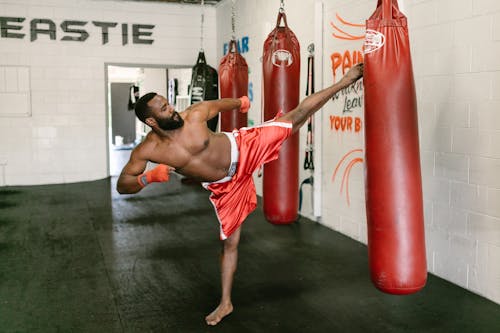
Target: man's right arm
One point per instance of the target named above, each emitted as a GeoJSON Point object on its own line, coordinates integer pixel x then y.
{"type": "Point", "coordinates": [127, 182]}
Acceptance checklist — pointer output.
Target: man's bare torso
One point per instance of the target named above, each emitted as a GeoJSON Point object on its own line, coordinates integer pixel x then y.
{"type": "Point", "coordinates": [193, 150]}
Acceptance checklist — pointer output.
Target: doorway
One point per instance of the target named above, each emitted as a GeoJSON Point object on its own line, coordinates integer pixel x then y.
{"type": "Point", "coordinates": [125, 84]}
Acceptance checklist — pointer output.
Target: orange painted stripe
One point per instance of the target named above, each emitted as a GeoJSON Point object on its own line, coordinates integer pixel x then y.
{"type": "Point", "coordinates": [352, 37]}
{"type": "Point", "coordinates": [347, 173]}
{"type": "Point", "coordinates": [342, 160]}
{"type": "Point", "coordinates": [348, 23]}
{"type": "Point", "coordinates": [347, 38]}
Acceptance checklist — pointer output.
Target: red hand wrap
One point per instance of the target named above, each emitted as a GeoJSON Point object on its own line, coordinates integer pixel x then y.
{"type": "Point", "coordinates": [156, 175]}
{"type": "Point", "coordinates": [245, 104]}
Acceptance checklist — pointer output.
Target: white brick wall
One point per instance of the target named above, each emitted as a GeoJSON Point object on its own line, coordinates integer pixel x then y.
{"type": "Point", "coordinates": [64, 137]}
{"type": "Point", "coordinates": [15, 95]}
{"type": "Point", "coordinates": [485, 7]}
{"type": "Point", "coordinates": [461, 182]}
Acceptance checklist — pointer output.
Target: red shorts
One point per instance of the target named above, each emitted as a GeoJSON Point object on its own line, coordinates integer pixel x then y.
{"type": "Point", "coordinates": [234, 198]}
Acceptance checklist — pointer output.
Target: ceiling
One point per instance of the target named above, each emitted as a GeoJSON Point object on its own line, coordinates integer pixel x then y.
{"type": "Point", "coordinates": [189, 2]}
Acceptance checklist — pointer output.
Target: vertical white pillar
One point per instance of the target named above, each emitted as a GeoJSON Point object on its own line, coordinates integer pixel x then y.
{"type": "Point", "coordinates": [318, 117]}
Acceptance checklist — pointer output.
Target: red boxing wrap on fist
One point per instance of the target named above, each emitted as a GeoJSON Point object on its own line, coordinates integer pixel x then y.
{"type": "Point", "coordinates": [156, 175]}
{"type": "Point", "coordinates": [245, 104]}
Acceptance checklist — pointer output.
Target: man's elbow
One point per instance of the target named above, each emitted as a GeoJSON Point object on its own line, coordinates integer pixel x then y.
{"type": "Point", "coordinates": [124, 189]}
{"type": "Point", "coordinates": [120, 190]}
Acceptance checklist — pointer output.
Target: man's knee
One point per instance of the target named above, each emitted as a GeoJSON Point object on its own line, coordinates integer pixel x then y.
{"type": "Point", "coordinates": [229, 247]}
{"type": "Point", "coordinates": [231, 243]}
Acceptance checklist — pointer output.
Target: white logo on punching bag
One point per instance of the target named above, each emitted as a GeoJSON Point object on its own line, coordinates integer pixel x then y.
{"type": "Point", "coordinates": [282, 58]}
{"type": "Point", "coordinates": [197, 95]}
{"type": "Point", "coordinates": [374, 40]}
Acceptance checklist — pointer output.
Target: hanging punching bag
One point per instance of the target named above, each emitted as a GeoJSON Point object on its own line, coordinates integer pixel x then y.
{"type": "Point", "coordinates": [204, 85]}
{"type": "Point", "coordinates": [281, 71]}
{"type": "Point", "coordinates": [233, 76]}
{"type": "Point", "coordinates": [396, 244]}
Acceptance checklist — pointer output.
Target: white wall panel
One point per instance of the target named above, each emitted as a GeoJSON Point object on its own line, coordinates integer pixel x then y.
{"type": "Point", "coordinates": [65, 91]}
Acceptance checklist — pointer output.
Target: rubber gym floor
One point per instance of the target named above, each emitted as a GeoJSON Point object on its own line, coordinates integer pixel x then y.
{"type": "Point", "coordinates": [82, 258]}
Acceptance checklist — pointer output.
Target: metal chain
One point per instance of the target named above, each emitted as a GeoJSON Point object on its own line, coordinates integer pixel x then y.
{"type": "Point", "coordinates": [233, 20]}
{"type": "Point", "coordinates": [202, 22]}
{"type": "Point", "coordinates": [282, 6]}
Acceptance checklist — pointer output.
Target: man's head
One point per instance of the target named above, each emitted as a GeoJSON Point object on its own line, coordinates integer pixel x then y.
{"type": "Point", "coordinates": [154, 110]}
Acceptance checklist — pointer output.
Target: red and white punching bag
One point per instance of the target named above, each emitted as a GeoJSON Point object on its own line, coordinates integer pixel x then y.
{"type": "Point", "coordinates": [281, 71]}
{"type": "Point", "coordinates": [233, 83]}
{"type": "Point", "coordinates": [394, 207]}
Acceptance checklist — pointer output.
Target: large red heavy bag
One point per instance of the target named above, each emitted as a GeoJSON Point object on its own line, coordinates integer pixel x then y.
{"type": "Point", "coordinates": [281, 72]}
{"type": "Point", "coordinates": [233, 83]}
{"type": "Point", "coordinates": [396, 244]}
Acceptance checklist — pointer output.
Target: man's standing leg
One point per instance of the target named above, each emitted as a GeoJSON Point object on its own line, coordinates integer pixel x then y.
{"type": "Point", "coordinates": [228, 263]}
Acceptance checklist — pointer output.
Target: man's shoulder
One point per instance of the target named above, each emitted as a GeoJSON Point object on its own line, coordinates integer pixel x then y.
{"type": "Point", "coordinates": [195, 111]}
{"type": "Point", "coordinates": [147, 145]}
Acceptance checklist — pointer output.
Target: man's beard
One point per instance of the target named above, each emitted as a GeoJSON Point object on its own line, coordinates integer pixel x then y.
{"type": "Point", "coordinates": [171, 123]}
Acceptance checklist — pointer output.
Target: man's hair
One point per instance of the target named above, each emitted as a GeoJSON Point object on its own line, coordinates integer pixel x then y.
{"type": "Point", "coordinates": [142, 110]}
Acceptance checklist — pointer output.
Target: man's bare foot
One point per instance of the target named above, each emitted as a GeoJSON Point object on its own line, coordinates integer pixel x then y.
{"type": "Point", "coordinates": [220, 312]}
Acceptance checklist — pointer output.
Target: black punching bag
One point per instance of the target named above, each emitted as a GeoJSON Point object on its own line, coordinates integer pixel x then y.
{"type": "Point", "coordinates": [205, 86]}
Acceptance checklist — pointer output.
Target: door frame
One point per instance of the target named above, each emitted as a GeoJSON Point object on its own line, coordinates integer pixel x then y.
{"type": "Point", "coordinates": [107, 101]}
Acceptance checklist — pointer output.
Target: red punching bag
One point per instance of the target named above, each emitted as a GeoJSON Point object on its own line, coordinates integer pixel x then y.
{"type": "Point", "coordinates": [233, 83]}
{"type": "Point", "coordinates": [396, 244]}
{"type": "Point", "coordinates": [281, 71]}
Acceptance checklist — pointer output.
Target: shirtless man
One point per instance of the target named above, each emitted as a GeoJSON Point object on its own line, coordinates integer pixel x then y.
{"type": "Point", "coordinates": [223, 161]}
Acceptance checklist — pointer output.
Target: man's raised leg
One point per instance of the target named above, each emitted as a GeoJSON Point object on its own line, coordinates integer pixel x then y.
{"type": "Point", "coordinates": [229, 261]}
{"type": "Point", "coordinates": [314, 102]}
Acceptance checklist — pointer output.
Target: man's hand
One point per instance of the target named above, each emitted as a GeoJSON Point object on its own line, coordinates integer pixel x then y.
{"type": "Point", "coordinates": [245, 104]}
{"type": "Point", "coordinates": [353, 75]}
{"type": "Point", "coordinates": [157, 175]}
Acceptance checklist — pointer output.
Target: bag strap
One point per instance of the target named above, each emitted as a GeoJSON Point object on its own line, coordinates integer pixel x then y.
{"type": "Point", "coordinates": [388, 7]}
{"type": "Point", "coordinates": [309, 181]}
{"type": "Point", "coordinates": [309, 159]}
{"type": "Point", "coordinates": [201, 58]}
{"type": "Point", "coordinates": [233, 47]}
{"type": "Point", "coordinates": [281, 16]}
